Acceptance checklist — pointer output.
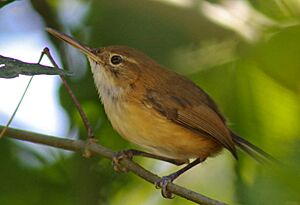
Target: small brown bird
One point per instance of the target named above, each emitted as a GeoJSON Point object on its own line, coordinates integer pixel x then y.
{"type": "Point", "coordinates": [159, 110]}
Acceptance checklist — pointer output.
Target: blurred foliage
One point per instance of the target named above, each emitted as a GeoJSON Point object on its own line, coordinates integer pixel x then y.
{"type": "Point", "coordinates": [256, 85]}
{"type": "Point", "coordinates": [5, 2]}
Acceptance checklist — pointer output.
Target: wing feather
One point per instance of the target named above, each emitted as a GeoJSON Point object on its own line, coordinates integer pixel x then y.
{"type": "Point", "coordinates": [198, 117]}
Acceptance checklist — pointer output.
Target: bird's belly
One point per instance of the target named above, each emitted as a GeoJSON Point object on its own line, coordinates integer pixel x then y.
{"type": "Point", "coordinates": [154, 132]}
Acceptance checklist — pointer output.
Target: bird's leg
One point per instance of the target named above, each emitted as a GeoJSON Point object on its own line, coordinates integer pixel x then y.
{"type": "Point", "coordinates": [132, 152]}
{"type": "Point", "coordinates": [163, 183]}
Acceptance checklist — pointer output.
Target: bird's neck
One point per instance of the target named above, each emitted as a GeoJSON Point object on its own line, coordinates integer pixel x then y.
{"type": "Point", "coordinates": [108, 92]}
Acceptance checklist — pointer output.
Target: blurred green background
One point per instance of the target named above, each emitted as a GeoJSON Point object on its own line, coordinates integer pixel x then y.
{"type": "Point", "coordinates": [245, 54]}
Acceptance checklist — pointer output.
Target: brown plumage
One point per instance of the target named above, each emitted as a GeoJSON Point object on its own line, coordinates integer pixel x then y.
{"type": "Point", "coordinates": [188, 124]}
{"type": "Point", "coordinates": [159, 109]}
{"type": "Point", "coordinates": [151, 90]}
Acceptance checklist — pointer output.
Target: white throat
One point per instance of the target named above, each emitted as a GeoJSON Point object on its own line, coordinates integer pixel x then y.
{"type": "Point", "coordinates": [107, 90]}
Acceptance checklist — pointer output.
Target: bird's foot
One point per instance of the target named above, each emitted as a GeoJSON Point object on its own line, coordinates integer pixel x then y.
{"type": "Point", "coordinates": [163, 183]}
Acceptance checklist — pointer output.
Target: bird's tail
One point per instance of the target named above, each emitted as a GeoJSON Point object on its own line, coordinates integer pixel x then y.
{"type": "Point", "coordinates": [255, 152]}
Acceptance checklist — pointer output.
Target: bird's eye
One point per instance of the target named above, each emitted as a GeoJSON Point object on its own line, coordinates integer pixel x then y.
{"type": "Point", "coordinates": [116, 59]}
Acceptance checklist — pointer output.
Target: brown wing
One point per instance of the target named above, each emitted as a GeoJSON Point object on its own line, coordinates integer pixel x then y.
{"type": "Point", "coordinates": [198, 117]}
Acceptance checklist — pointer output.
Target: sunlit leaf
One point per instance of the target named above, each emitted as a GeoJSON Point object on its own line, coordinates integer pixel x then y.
{"type": "Point", "coordinates": [279, 57]}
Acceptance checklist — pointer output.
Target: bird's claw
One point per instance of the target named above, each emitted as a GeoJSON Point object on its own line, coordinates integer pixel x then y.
{"type": "Point", "coordinates": [163, 183]}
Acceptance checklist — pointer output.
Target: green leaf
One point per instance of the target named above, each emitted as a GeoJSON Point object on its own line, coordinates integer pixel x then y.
{"type": "Point", "coordinates": [11, 68]}
{"type": "Point", "coordinates": [279, 57]}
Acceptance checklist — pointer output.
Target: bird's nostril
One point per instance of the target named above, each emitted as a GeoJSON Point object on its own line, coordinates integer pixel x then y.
{"type": "Point", "coordinates": [96, 51]}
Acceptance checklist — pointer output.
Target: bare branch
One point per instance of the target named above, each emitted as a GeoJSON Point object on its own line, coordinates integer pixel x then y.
{"type": "Point", "coordinates": [11, 68]}
{"type": "Point", "coordinates": [98, 150]}
{"type": "Point", "coordinates": [76, 102]}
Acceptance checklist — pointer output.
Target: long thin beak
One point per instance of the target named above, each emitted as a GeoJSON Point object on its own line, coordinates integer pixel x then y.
{"type": "Point", "coordinates": [68, 39]}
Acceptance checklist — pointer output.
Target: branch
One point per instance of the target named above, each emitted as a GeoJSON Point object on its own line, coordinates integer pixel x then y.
{"type": "Point", "coordinates": [11, 68]}
{"type": "Point", "coordinates": [76, 102]}
{"type": "Point", "coordinates": [98, 150]}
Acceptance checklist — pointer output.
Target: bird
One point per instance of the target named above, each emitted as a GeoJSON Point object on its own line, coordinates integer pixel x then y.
{"type": "Point", "coordinates": [159, 110]}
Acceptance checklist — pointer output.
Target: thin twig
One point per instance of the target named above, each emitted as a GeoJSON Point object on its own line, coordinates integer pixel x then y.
{"type": "Point", "coordinates": [20, 101]}
{"type": "Point", "coordinates": [96, 149]}
{"type": "Point", "coordinates": [82, 114]}
{"type": "Point", "coordinates": [16, 109]}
